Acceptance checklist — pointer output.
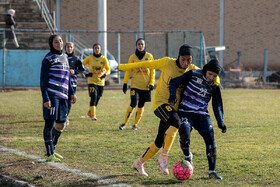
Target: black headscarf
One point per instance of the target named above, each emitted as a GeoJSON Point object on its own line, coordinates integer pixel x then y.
{"type": "Point", "coordinates": [53, 50]}
{"type": "Point", "coordinates": [184, 50]}
{"type": "Point", "coordinates": [139, 54]}
{"type": "Point", "coordinates": [213, 65]}
{"type": "Point", "coordinates": [96, 55]}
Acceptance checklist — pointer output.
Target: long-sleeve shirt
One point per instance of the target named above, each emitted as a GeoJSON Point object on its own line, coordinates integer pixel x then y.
{"type": "Point", "coordinates": [141, 77]}
{"type": "Point", "coordinates": [97, 66]}
{"type": "Point", "coordinates": [197, 94]}
{"type": "Point", "coordinates": [55, 77]}
{"type": "Point", "coordinates": [169, 70]}
{"type": "Point", "coordinates": [76, 64]}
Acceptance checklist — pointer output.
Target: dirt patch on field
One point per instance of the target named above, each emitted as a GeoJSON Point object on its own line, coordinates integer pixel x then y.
{"type": "Point", "coordinates": [38, 173]}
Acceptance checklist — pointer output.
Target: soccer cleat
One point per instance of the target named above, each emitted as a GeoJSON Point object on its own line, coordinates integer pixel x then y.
{"type": "Point", "coordinates": [88, 113]}
{"type": "Point", "coordinates": [214, 175]}
{"type": "Point", "coordinates": [134, 127]}
{"type": "Point", "coordinates": [122, 127]}
{"type": "Point", "coordinates": [94, 118]}
{"type": "Point", "coordinates": [52, 158]}
{"type": "Point", "coordinates": [138, 166]}
{"type": "Point", "coordinates": [163, 164]}
{"type": "Point", "coordinates": [189, 158]}
{"type": "Point", "coordinates": [58, 155]}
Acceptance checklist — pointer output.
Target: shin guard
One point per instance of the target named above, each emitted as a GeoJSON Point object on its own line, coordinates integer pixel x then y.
{"type": "Point", "coordinates": [92, 111]}
{"type": "Point", "coordinates": [150, 152]}
{"type": "Point", "coordinates": [169, 137]}
{"type": "Point", "coordinates": [139, 115]}
{"type": "Point", "coordinates": [128, 114]}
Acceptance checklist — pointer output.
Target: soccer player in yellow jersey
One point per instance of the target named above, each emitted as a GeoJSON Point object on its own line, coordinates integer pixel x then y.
{"type": "Point", "coordinates": [98, 69]}
{"type": "Point", "coordinates": [142, 83]}
{"type": "Point", "coordinates": [169, 119]}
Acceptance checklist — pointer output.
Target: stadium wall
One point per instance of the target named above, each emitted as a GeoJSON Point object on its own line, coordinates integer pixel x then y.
{"type": "Point", "coordinates": [249, 26]}
{"type": "Point", "coordinates": [21, 67]}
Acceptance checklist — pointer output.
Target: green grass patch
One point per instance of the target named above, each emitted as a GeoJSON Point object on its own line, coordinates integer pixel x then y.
{"type": "Point", "coordinates": [248, 154]}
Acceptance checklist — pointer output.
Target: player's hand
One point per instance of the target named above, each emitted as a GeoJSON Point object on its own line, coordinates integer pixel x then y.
{"type": "Point", "coordinates": [73, 99]}
{"type": "Point", "coordinates": [88, 75]}
{"type": "Point", "coordinates": [124, 88]}
{"type": "Point", "coordinates": [117, 68]}
{"type": "Point", "coordinates": [72, 72]}
{"type": "Point", "coordinates": [103, 76]}
{"type": "Point", "coordinates": [172, 100]}
{"type": "Point", "coordinates": [48, 105]}
{"type": "Point", "coordinates": [151, 87]}
{"type": "Point", "coordinates": [223, 127]}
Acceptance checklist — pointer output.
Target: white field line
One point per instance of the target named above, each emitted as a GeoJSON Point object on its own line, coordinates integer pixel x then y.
{"type": "Point", "coordinates": [65, 168]}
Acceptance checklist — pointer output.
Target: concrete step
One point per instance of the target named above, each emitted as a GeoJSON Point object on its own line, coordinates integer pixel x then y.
{"type": "Point", "coordinates": [4, 7]}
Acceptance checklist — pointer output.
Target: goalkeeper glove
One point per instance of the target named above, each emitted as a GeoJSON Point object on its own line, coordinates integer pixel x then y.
{"type": "Point", "coordinates": [223, 127]}
{"type": "Point", "coordinates": [151, 87]}
{"type": "Point", "coordinates": [124, 88]}
{"type": "Point", "coordinates": [172, 100]}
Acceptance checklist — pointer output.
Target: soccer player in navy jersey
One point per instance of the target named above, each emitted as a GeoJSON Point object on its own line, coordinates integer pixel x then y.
{"type": "Point", "coordinates": [76, 67]}
{"type": "Point", "coordinates": [55, 87]}
{"type": "Point", "coordinates": [193, 110]}
{"type": "Point", "coordinates": [169, 118]}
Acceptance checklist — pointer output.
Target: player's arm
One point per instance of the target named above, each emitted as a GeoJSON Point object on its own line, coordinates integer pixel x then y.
{"type": "Point", "coordinates": [217, 105]}
{"type": "Point", "coordinates": [177, 81]}
{"type": "Point", "coordinates": [107, 67]}
{"type": "Point", "coordinates": [152, 64]}
{"type": "Point", "coordinates": [128, 73]}
{"type": "Point", "coordinates": [79, 67]}
{"type": "Point", "coordinates": [86, 62]}
{"type": "Point", "coordinates": [71, 92]}
{"type": "Point", "coordinates": [44, 78]}
{"type": "Point", "coordinates": [152, 75]}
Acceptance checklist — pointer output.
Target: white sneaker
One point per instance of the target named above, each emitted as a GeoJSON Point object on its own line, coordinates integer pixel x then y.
{"type": "Point", "coordinates": [163, 164]}
{"type": "Point", "coordinates": [94, 118]}
{"type": "Point", "coordinates": [138, 166]}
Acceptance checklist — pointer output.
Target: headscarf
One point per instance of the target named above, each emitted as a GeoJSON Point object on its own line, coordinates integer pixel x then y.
{"type": "Point", "coordinates": [53, 50]}
{"type": "Point", "coordinates": [213, 65]}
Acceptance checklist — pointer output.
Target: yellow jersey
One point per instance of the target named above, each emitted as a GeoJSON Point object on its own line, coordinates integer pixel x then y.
{"type": "Point", "coordinates": [169, 70]}
{"type": "Point", "coordinates": [98, 66]}
{"type": "Point", "coordinates": [141, 77]}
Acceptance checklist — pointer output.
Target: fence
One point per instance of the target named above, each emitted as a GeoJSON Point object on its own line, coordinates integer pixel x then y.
{"type": "Point", "coordinates": [120, 44]}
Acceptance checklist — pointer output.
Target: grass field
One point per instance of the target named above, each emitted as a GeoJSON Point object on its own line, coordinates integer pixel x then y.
{"type": "Point", "coordinates": [248, 154]}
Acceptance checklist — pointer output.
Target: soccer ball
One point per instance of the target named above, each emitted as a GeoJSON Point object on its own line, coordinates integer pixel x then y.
{"type": "Point", "coordinates": [182, 170]}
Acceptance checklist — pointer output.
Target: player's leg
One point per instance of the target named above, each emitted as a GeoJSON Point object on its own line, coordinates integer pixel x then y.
{"type": "Point", "coordinates": [60, 123]}
{"type": "Point", "coordinates": [93, 98]}
{"type": "Point", "coordinates": [165, 139]}
{"type": "Point", "coordinates": [185, 135]}
{"type": "Point", "coordinates": [100, 90]}
{"type": "Point", "coordinates": [206, 131]}
{"type": "Point", "coordinates": [50, 115]}
{"type": "Point", "coordinates": [129, 111]}
{"type": "Point", "coordinates": [140, 109]}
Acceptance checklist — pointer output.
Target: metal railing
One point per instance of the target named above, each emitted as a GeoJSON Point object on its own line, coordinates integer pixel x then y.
{"type": "Point", "coordinates": [46, 15]}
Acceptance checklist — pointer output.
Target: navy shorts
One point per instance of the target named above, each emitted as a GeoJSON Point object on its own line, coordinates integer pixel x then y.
{"type": "Point", "coordinates": [202, 123]}
{"type": "Point", "coordinates": [58, 111]}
